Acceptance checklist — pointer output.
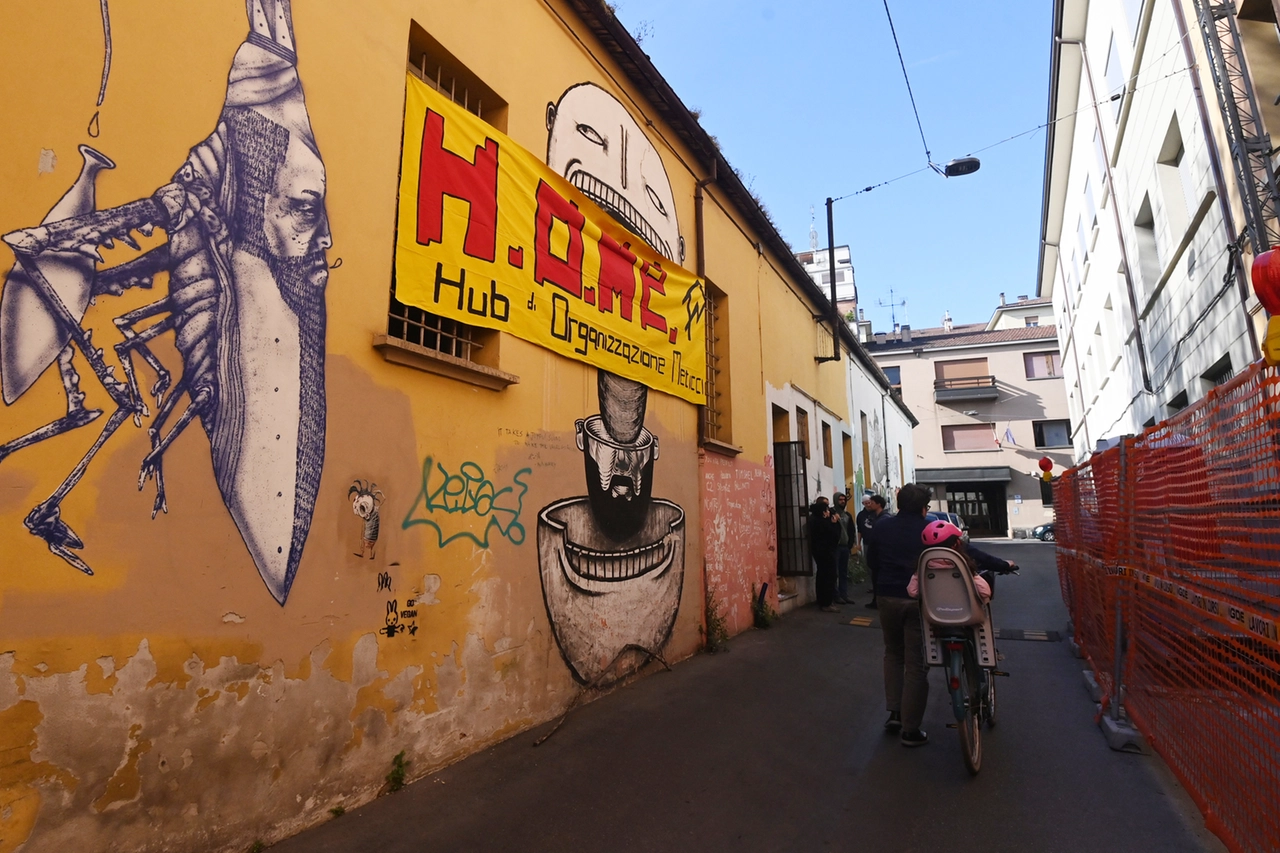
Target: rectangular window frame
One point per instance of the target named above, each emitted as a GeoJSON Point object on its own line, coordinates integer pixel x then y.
{"type": "Point", "coordinates": [416, 337]}
{"type": "Point", "coordinates": [1038, 429]}
{"type": "Point", "coordinates": [981, 438]}
{"type": "Point", "coordinates": [1053, 365]}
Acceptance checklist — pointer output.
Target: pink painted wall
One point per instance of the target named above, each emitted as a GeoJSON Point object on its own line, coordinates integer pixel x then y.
{"type": "Point", "coordinates": [739, 534]}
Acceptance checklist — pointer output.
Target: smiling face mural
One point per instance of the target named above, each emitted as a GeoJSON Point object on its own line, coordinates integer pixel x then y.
{"type": "Point", "coordinates": [595, 143]}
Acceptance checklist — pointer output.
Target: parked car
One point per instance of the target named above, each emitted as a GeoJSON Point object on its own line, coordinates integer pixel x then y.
{"type": "Point", "coordinates": [954, 519]}
{"type": "Point", "coordinates": [1045, 533]}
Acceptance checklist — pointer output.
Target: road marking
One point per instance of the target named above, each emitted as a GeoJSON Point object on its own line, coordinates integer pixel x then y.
{"type": "Point", "coordinates": [1028, 634]}
{"type": "Point", "coordinates": [861, 621]}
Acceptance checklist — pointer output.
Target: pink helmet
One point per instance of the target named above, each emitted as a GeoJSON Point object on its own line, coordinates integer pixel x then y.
{"type": "Point", "coordinates": [938, 532]}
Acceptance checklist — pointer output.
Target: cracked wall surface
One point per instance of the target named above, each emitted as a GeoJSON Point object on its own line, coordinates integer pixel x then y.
{"type": "Point", "coordinates": [168, 701]}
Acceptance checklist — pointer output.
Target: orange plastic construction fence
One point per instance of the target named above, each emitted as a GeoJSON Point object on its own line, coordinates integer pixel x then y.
{"type": "Point", "coordinates": [1179, 530]}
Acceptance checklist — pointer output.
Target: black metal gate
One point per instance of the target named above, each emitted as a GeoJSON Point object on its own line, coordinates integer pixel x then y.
{"type": "Point", "coordinates": [791, 493]}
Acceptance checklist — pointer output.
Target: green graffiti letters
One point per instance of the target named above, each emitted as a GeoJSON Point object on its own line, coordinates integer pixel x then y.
{"type": "Point", "coordinates": [465, 498]}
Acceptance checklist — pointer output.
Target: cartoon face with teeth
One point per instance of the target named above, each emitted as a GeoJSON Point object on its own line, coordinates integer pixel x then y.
{"type": "Point", "coordinates": [595, 143]}
{"type": "Point", "coordinates": [612, 561]}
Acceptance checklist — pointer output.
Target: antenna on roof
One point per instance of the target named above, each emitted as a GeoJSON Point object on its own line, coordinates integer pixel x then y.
{"type": "Point", "coordinates": [894, 304]}
{"type": "Point", "coordinates": [813, 232]}
{"type": "Point", "coordinates": [946, 321]}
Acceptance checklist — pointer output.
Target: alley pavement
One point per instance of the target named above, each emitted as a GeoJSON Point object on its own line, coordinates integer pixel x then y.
{"type": "Point", "coordinates": [778, 745]}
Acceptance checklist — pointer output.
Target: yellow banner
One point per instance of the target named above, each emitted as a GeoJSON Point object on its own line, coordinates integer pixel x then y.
{"type": "Point", "coordinates": [490, 236]}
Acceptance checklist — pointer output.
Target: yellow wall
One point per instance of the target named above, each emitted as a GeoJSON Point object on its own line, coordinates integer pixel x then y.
{"type": "Point", "coordinates": [219, 714]}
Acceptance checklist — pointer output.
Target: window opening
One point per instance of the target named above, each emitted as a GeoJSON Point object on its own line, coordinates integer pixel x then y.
{"type": "Point", "coordinates": [1052, 433]}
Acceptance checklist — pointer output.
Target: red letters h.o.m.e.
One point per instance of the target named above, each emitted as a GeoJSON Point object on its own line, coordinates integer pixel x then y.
{"type": "Point", "coordinates": [443, 173]}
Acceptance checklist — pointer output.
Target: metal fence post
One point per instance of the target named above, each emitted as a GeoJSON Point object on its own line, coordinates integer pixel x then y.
{"type": "Point", "coordinates": [1120, 734]}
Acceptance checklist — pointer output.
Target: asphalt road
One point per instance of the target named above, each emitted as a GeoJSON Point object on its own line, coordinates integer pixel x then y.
{"type": "Point", "coordinates": [778, 745]}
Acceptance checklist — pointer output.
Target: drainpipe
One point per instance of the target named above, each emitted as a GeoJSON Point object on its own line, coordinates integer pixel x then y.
{"type": "Point", "coordinates": [699, 234]}
{"type": "Point", "coordinates": [1075, 344]}
{"type": "Point", "coordinates": [884, 430]}
{"type": "Point", "coordinates": [1215, 162]}
{"type": "Point", "coordinates": [1115, 209]}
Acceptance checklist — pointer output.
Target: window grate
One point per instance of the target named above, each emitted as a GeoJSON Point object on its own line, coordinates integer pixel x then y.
{"type": "Point", "coordinates": [713, 411]}
{"type": "Point", "coordinates": [431, 331]}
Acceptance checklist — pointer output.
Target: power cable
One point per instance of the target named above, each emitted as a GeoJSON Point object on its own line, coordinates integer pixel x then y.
{"type": "Point", "coordinates": [1023, 133]}
{"type": "Point", "coordinates": [910, 94]}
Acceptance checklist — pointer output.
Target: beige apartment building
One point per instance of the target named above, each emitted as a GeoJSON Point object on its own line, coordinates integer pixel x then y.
{"type": "Point", "coordinates": [991, 403]}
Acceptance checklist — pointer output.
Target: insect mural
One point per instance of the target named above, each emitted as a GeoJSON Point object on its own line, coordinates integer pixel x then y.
{"type": "Point", "coordinates": [247, 234]}
{"type": "Point", "coordinates": [366, 498]}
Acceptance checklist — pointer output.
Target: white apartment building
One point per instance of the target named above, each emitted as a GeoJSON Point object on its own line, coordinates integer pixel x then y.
{"type": "Point", "coordinates": [991, 403]}
{"type": "Point", "coordinates": [1141, 211]}
{"type": "Point", "coordinates": [816, 263]}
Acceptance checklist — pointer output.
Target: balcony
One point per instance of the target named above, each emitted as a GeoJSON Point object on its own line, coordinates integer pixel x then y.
{"type": "Point", "coordinates": [965, 388]}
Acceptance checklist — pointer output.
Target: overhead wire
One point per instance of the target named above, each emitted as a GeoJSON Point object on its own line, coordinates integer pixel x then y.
{"type": "Point", "coordinates": [910, 94]}
{"type": "Point", "coordinates": [1089, 106]}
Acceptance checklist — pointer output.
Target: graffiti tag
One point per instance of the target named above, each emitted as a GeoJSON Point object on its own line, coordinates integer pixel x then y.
{"type": "Point", "coordinates": [468, 498]}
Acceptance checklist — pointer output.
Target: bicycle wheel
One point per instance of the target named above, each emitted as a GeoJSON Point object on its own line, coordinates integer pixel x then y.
{"type": "Point", "coordinates": [970, 727]}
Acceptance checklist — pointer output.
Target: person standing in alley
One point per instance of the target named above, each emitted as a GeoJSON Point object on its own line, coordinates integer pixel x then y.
{"type": "Point", "coordinates": [896, 546]}
{"type": "Point", "coordinates": [824, 539]}
{"type": "Point", "coordinates": [872, 510]}
{"type": "Point", "coordinates": [848, 538]}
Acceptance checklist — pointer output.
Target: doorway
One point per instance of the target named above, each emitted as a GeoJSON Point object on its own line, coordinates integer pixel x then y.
{"type": "Point", "coordinates": [982, 506]}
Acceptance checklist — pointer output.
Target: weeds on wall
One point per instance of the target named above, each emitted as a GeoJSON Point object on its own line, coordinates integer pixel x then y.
{"type": "Point", "coordinates": [395, 779]}
{"type": "Point", "coordinates": [716, 633]}
{"type": "Point", "coordinates": [761, 613]}
{"type": "Point", "coordinates": [857, 569]}
{"type": "Point", "coordinates": [337, 811]}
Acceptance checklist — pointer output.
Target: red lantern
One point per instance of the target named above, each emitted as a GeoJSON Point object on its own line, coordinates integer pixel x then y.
{"type": "Point", "coordinates": [1046, 464]}
{"type": "Point", "coordinates": [1266, 280]}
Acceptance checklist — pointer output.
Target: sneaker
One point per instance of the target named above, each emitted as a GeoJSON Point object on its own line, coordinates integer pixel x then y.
{"type": "Point", "coordinates": [917, 738]}
{"type": "Point", "coordinates": [830, 608]}
{"type": "Point", "coordinates": [894, 722]}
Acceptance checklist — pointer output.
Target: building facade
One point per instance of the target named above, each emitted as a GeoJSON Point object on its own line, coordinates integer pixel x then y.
{"type": "Point", "coordinates": [990, 401]}
{"type": "Point", "coordinates": [1145, 242]}
{"type": "Point", "coordinates": [448, 352]}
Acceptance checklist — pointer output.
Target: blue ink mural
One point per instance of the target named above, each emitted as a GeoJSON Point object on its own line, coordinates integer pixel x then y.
{"type": "Point", "coordinates": [247, 236]}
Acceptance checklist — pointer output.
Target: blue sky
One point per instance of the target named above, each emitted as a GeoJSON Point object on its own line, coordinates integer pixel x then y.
{"type": "Point", "coordinates": [807, 100]}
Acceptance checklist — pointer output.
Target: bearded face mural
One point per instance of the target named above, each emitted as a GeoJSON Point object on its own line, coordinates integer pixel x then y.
{"type": "Point", "coordinates": [612, 561]}
{"type": "Point", "coordinates": [247, 235]}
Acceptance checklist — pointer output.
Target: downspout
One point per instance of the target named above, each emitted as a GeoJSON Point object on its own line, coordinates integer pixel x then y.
{"type": "Point", "coordinates": [699, 231]}
{"type": "Point", "coordinates": [1115, 210]}
{"type": "Point", "coordinates": [884, 430]}
{"type": "Point", "coordinates": [1075, 345]}
{"type": "Point", "coordinates": [700, 248]}
{"type": "Point", "coordinates": [1215, 162]}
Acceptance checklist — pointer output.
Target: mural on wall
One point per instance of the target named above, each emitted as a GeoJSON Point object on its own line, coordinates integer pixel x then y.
{"type": "Point", "coordinates": [612, 561]}
{"type": "Point", "coordinates": [247, 235]}
{"type": "Point", "coordinates": [879, 463]}
{"type": "Point", "coordinates": [454, 504]}
{"type": "Point", "coordinates": [366, 498]}
{"type": "Point", "coordinates": [574, 255]}
{"type": "Point", "coordinates": [595, 143]}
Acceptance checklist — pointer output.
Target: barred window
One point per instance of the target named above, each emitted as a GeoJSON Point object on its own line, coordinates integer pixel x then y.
{"type": "Point", "coordinates": [422, 339]}
{"type": "Point", "coordinates": [715, 414]}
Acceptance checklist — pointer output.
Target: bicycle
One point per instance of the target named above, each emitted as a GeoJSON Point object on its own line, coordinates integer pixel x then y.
{"type": "Point", "coordinates": [959, 635]}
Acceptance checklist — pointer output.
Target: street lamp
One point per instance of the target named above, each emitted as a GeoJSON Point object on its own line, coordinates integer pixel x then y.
{"type": "Point", "coordinates": [954, 169]}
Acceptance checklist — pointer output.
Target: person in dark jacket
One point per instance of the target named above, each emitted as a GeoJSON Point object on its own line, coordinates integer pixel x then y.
{"type": "Point", "coordinates": [824, 540]}
{"type": "Point", "coordinates": [895, 547]}
{"type": "Point", "coordinates": [848, 539]}
{"type": "Point", "coordinates": [872, 510]}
